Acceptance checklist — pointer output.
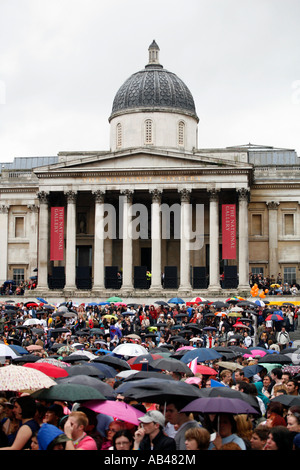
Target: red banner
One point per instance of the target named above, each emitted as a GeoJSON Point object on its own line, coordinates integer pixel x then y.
{"type": "Point", "coordinates": [57, 234]}
{"type": "Point", "coordinates": [228, 231]}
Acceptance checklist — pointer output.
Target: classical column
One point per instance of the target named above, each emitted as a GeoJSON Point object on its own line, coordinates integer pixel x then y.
{"type": "Point", "coordinates": [185, 231]}
{"type": "Point", "coordinates": [43, 241]}
{"type": "Point", "coordinates": [71, 241]}
{"type": "Point", "coordinates": [4, 241]}
{"type": "Point", "coordinates": [33, 236]}
{"type": "Point", "coordinates": [214, 264]}
{"type": "Point", "coordinates": [99, 241]}
{"type": "Point", "coordinates": [243, 270]}
{"type": "Point", "coordinates": [127, 273]}
{"type": "Point", "coordinates": [273, 238]}
{"type": "Point", "coordinates": [156, 239]}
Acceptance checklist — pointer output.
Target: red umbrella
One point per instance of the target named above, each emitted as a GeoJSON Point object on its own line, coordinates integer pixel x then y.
{"type": "Point", "coordinates": [205, 370]}
{"type": "Point", "coordinates": [137, 362]}
{"type": "Point", "coordinates": [240, 325]}
{"type": "Point", "coordinates": [47, 369]}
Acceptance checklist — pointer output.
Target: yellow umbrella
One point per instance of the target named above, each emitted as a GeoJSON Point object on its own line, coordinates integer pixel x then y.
{"type": "Point", "coordinates": [109, 317]}
{"type": "Point", "coordinates": [275, 285]}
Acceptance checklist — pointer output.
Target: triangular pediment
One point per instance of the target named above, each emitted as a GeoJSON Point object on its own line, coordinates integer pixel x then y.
{"type": "Point", "coordinates": [145, 159]}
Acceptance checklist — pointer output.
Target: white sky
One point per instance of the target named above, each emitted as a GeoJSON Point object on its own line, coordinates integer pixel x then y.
{"type": "Point", "coordinates": [62, 62]}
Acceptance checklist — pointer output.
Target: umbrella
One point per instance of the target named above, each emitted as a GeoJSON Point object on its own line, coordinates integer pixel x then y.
{"type": "Point", "coordinates": [202, 355]}
{"type": "Point", "coordinates": [198, 300]}
{"type": "Point", "coordinates": [32, 321]}
{"type": "Point", "coordinates": [147, 374]}
{"type": "Point", "coordinates": [205, 370]}
{"type": "Point", "coordinates": [250, 371]}
{"type": "Point", "coordinates": [171, 364]}
{"type": "Point", "coordinates": [72, 358]}
{"type": "Point", "coordinates": [256, 352]}
{"type": "Point", "coordinates": [18, 349]}
{"type": "Point", "coordinates": [65, 350]}
{"type": "Point", "coordinates": [294, 357]}
{"type": "Point", "coordinates": [219, 405]}
{"type": "Point", "coordinates": [275, 358]}
{"type": "Point", "coordinates": [274, 317]}
{"type": "Point", "coordinates": [105, 368]}
{"type": "Point", "coordinates": [275, 285]}
{"type": "Point", "coordinates": [176, 300]}
{"type": "Point", "coordinates": [114, 299]}
{"type": "Point", "coordinates": [68, 392]}
{"type": "Point", "coordinates": [25, 358]}
{"type": "Point", "coordinates": [115, 362]}
{"type": "Point", "coordinates": [48, 369]}
{"type": "Point", "coordinates": [161, 302]}
{"type": "Point", "coordinates": [34, 347]}
{"type": "Point", "coordinates": [7, 351]}
{"type": "Point", "coordinates": [209, 328]}
{"type": "Point", "coordinates": [89, 381]}
{"type": "Point", "coordinates": [129, 349]}
{"type": "Point", "coordinates": [287, 400]}
{"type": "Point", "coordinates": [18, 378]}
{"type": "Point", "coordinates": [137, 362]}
{"type": "Point", "coordinates": [219, 304]}
{"type": "Point", "coordinates": [219, 391]}
{"type": "Point", "coordinates": [259, 302]}
{"type": "Point", "coordinates": [234, 314]}
{"type": "Point", "coordinates": [116, 409]}
{"type": "Point", "coordinates": [84, 370]}
{"type": "Point", "coordinates": [158, 390]}
{"type": "Point", "coordinates": [41, 300]}
{"type": "Point", "coordinates": [110, 317]}
{"type": "Point", "coordinates": [229, 365]}
{"type": "Point", "coordinates": [53, 361]}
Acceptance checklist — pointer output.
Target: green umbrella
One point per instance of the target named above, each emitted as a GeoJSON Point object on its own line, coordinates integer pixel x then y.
{"type": "Point", "coordinates": [70, 392]}
{"type": "Point", "coordinates": [114, 299]}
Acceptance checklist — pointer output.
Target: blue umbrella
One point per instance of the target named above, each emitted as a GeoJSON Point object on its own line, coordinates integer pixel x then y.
{"type": "Point", "coordinates": [249, 371]}
{"type": "Point", "coordinates": [42, 300]}
{"type": "Point", "coordinates": [202, 355]}
{"type": "Point", "coordinates": [176, 300]}
{"type": "Point", "coordinates": [215, 383]}
{"type": "Point", "coordinates": [18, 349]}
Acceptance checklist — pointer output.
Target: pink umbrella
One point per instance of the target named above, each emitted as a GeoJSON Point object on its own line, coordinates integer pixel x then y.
{"type": "Point", "coordinates": [184, 347]}
{"type": "Point", "coordinates": [116, 409]}
{"type": "Point", "coordinates": [255, 352]}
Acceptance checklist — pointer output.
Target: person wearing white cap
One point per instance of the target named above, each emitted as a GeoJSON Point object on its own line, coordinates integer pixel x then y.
{"type": "Point", "coordinates": [150, 435]}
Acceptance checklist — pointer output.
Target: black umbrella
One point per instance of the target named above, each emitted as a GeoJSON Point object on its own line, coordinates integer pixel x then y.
{"type": "Point", "coordinates": [275, 359]}
{"type": "Point", "coordinates": [25, 358]}
{"type": "Point", "coordinates": [82, 369]}
{"type": "Point", "coordinates": [287, 400]}
{"type": "Point", "coordinates": [105, 368]}
{"type": "Point", "coordinates": [219, 304]}
{"type": "Point", "coordinates": [90, 381]}
{"type": "Point", "coordinates": [159, 391]}
{"type": "Point", "coordinates": [148, 374]}
{"type": "Point", "coordinates": [161, 302]}
{"type": "Point", "coordinates": [76, 358]}
{"type": "Point", "coordinates": [171, 364]}
{"type": "Point", "coordinates": [115, 362]}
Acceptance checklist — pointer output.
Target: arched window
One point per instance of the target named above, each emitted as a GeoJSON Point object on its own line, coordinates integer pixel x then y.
{"type": "Point", "coordinates": [181, 133]}
{"type": "Point", "coordinates": [119, 135]}
{"type": "Point", "coordinates": [148, 131]}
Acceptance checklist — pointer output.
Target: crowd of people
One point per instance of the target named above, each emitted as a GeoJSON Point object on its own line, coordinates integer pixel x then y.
{"type": "Point", "coordinates": [234, 328]}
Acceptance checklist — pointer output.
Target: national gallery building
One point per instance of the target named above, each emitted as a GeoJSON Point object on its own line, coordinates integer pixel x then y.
{"type": "Point", "coordinates": [155, 215]}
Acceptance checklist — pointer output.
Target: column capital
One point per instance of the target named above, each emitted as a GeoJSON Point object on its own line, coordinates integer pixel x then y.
{"type": "Point", "coordinates": [185, 194]}
{"type": "Point", "coordinates": [99, 195]}
{"type": "Point", "coordinates": [272, 205]}
{"type": "Point", "coordinates": [4, 209]}
{"type": "Point", "coordinates": [43, 197]}
{"type": "Point", "coordinates": [33, 208]}
{"type": "Point", "coordinates": [156, 194]}
{"type": "Point", "coordinates": [243, 194]}
{"type": "Point", "coordinates": [128, 193]}
{"type": "Point", "coordinates": [213, 194]}
{"type": "Point", "coordinates": [71, 196]}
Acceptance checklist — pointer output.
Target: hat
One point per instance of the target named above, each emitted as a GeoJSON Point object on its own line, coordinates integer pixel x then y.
{"type": "Point", "coordinates": [57, 409]}
{"type": "Point", "coordinates": [153, 417]}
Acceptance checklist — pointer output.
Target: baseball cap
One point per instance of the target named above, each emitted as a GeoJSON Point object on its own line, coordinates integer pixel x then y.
{"type": "Point", "coordinates": [153, 417]}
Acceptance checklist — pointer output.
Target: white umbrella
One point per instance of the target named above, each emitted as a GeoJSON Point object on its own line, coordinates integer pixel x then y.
{"type": "Point", "coordinates": [130, 349]}
{"type": "Point", "coordinates": [6, 351]}
{"type": "Point", "coordinates": [18, 378]}
{"type": "Point", "coordinates": [84, 353]}
{"type": "Point", "coordinates": [295, 357]}
{"type": "Point", "coordinates": [126, 373]}
{"type": "Point", "coordinates": [32, 321]}
{"type": "Point", "coordinates": [236, 309]}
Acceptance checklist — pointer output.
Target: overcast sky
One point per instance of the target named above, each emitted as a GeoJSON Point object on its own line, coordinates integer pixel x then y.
{"type": "Point", "coordinates": [62, 62]}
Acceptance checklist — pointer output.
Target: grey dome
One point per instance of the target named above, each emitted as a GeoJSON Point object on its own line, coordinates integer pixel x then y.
{"type": "Point", "coordinates": [153, 89]}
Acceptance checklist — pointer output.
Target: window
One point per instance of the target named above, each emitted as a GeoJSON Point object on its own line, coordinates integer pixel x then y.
{"type": "Point", "coordinates": [18, 275]}
{"type": "Point", "coordinates": [119, 135]}
{"type": "Point", "coordinates": [289, 275]}
{"type": "Point", "coordinates": [256, 270]}
{"type": "Point", "coordinates": [148, 132]}
{"type": "Point", "coordinates": [181, 133]}
{"type": "Point", "coordinates": [256, 225]}
{"type": "Point", "coordinates": [289, 224]}
{"type": "Point", "coordinates": [19, 227]}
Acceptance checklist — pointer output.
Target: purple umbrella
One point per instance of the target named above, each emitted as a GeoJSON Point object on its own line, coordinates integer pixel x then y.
{"type": "Point", "coordinates": [219, 405]}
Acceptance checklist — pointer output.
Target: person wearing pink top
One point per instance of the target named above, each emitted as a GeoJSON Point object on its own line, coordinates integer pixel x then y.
{"type": "Point", "coordinates": [74, 429]}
